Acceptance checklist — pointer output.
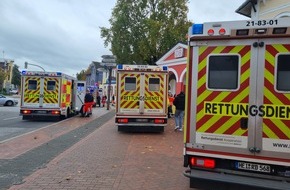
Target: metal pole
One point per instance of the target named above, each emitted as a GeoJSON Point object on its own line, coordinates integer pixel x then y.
{"type": "Point", "coordinates": [109, 88]}
{"type": "Point", "coordinates": [26, 64]}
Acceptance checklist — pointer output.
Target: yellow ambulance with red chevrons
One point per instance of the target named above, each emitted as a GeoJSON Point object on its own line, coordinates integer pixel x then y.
{"type": "Point", "coordinates": [141, 99]}
{"type": "Point", "coordinates": [237, 118]}
{"type": "Point", "coordinates": [50, 94]}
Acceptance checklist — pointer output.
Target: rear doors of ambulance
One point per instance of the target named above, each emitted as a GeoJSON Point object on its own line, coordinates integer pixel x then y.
{"type": "Point", "coordinates": [242, 98]}
{"type": "Point", "coordinates": [40, 92]}
{"type": "Point", "coordinates": [141, 93]}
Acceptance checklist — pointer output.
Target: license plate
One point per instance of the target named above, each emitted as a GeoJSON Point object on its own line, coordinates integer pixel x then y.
{"type": "Point", "coordinates": [41, 112]}
{"type": "Point", "coordinates": [253, 167]}
{"type": "Point", "coordinates": [142, 120]}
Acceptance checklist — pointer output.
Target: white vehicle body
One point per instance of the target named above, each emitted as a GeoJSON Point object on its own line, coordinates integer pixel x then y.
{"type": "Point", "coordinates": [238, 103]}
{"type": "Point", "coordinates": [7, 101]}
{"type": "Point", "coordinates": [141, 97]}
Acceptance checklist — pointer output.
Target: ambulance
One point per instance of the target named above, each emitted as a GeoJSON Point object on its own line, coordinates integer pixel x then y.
{"type": "Point", "coordinates": [50, 95]}
{"type": "Point", "coordinates": [237, 118]}
{"type": "Point", "coordinates": [141, 99]}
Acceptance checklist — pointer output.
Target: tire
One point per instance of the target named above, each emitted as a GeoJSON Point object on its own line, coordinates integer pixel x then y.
{"type": "Point", "coordinates": [9, 103]}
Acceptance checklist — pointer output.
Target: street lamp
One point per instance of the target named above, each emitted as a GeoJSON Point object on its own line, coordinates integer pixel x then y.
{"type": "Point", "coordinates": [26, 65]}
{"type": "Point", "coordinates": [109, 61]}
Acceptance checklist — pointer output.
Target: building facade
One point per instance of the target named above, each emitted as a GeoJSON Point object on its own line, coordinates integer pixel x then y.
{"type": "Point", "coordinates": [7, 66]}
{"type": "Point", "coordinates": [264, 9]}
{"type": "Point", "coordinates": [175, 59]}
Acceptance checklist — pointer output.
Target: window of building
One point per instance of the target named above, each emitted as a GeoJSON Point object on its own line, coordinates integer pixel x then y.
{"type": "Point", "coordinates": [283, 72]}
{"type": "Point", "coordinates": [223, 72]}
{"type": "Point", "coordinates": [130, 83]}
{"type": "Point", "coordinates": [154, 84]}
{"type": "Point", "coordinates": [32, 84]}
{"type": "Point", "coordinates": [50, 85]}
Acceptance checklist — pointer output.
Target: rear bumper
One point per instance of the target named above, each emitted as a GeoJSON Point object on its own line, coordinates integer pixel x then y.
{"type": "Point", "coordinates": [237, 179]}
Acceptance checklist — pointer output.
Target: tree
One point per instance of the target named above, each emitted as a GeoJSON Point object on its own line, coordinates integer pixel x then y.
{"type": "Point", "coordinates": [82, 75]}
{"type": "Point", "coordinates": [16, 77]}
{"type": "Point", "coordinates": [142, 31]}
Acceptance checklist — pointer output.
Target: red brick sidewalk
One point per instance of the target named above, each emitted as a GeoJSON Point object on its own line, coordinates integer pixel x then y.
{"type": "Point", "coordinates": [108, 159]}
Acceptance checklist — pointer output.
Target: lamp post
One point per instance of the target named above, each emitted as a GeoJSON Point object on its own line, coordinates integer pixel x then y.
{"type": "Point", "coordinates": [26, 65]}
{"type": "Point", "coordinates": [109, 61]}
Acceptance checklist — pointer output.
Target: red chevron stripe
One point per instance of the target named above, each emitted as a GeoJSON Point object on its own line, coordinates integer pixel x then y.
{"type": "Point", "coordinates": [281, 97]}
{"type": "Point", "coordinates": [275, 129]}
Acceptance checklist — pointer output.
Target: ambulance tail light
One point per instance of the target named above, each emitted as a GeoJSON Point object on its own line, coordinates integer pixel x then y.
{"type": "Point", "coordinates": [55, 112]}
{"type": "Point", "coordinates": [26, 111]}
{"type": "Point", "coordinates": [197, 29]}
{"type": "Point", "coordinates": [159, 121]}
{"type": "Point", "coordinates": [202, 162]}
{"type": "Point", "coordinates": [124, 120]}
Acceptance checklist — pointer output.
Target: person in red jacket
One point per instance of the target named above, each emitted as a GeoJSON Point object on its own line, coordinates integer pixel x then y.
{"type": "Point", "coordinates": [88, 105]}
{"type": "Point", "coordinates": [104, 99]}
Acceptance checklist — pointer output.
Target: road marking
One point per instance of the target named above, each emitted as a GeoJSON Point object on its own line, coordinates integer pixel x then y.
{"type": "Point", "coordinates": [11, 118]}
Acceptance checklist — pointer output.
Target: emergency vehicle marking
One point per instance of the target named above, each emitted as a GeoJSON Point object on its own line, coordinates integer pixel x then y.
{"type": "Point", "coordinates": [220, 124]}
{"type": "Point", "coordinates": [244, 110]}
{"type": "Point", "coordinates": [158, 104]}
{"type": "Point", "coordinates": [66, 93]}
{"type": "Point", "coordinates": [50, 96]}
{"type": "Point", "coordinates": [129, 99]}
{"type": "Point", "coordinates": [275, 128]}
{"type": "Point", "coordinates": [31, 96]}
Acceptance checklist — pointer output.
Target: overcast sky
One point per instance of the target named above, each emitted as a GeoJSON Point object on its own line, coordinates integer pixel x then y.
{"type": "Point", "coordinates": [64, 35]}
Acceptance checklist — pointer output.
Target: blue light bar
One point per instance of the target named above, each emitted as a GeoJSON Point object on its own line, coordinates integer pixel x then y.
{"type": "Point", "coordinates": [165, 68]}
{"type": "Point", "coordinates": [23, 72]}
{"type": "Point", "coordinates": [58, 73]}
{"type": "Point", "coordinates": [120, 66]}
{"type": "Point", "coordinates": [197, 29]}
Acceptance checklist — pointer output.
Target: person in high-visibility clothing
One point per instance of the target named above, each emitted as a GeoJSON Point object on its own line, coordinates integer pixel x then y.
{"type": "Point", "coordinates": [171, 107]}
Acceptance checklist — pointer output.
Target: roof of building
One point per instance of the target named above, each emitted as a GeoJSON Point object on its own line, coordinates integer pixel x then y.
{"type": "Point", "coordinates": [246, 7]}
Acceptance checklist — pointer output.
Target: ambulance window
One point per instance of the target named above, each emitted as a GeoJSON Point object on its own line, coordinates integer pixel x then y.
{"type": "Point", "coordinates": [130, 83]}
{"type": "Point", "coordinates": [223, 72]}
{"type": "Point", "coordinates": [81, 87]}
{"type": "Point", "coordinates": [154, 84]}
{"type": "Point", "coordinates": [50, 85]}
{"type": "Point", "coordinates": [32, 85]}
{"type": "Point", "coordinates": [283, 73]}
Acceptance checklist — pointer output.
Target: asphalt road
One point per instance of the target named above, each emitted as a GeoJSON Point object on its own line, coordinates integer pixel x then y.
{"type": "Point", "coordinates": [12, 125]}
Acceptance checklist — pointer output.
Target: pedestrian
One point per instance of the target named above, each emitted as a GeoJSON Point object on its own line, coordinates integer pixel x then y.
{"type": "Point", "coordinates": [171, 107]}
{"type": "Point", "coordinates": [89, 101]}
{"type": "Point", "coordinates": [99, 100]}
{"type": "Point", "coordinates": [179, 103]}
{"type": "Point", "coordinates": [104, 98]}
{"type": "Point", "coordinates": [113, 100]}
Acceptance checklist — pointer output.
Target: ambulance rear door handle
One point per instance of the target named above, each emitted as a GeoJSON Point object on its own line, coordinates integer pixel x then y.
{"type": "Point", "coordinates": [255, 44]}
{"type": "Point", "coordinates": [244, 123]}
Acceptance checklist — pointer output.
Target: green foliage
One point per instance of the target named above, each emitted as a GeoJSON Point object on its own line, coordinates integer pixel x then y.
{"type": "Point", "coordinates": [16, 77]}
{"type": "Point", "coordinates": [81, 75]}
{"type": "Point", "coordinates": [142, 31]}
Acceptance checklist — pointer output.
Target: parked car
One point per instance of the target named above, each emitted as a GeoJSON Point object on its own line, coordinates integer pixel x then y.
{"type": "Point", "coordinates": [15, 91]}
{"type": "Point", "coordinates": [7, 101]}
